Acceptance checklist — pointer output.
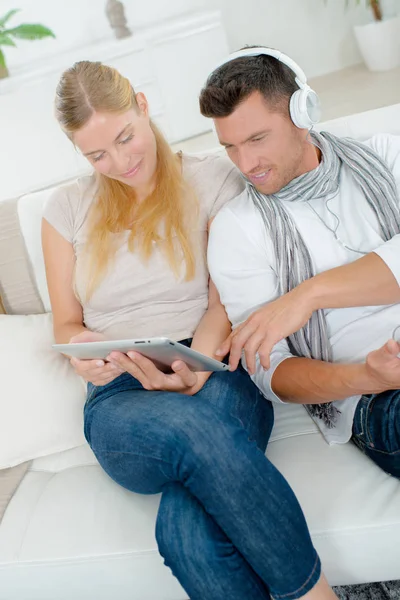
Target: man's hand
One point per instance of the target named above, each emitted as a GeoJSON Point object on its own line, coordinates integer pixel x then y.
{"type": "Point", "coordinates": [97, 372]}
{"type": "Point", "coordinates": [266, 327]}
{"type": "Point", "coordinates": [182, 380]}
{"type": "Point", "coordinates": [383, 366]}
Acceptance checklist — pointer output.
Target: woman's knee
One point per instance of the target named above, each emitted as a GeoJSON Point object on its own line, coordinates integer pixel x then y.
{"type": "Point", "coordinates": [143, 450]}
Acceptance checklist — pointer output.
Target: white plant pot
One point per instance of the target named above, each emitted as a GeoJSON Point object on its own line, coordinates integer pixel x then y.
{"type": "Point", "coordinates": [379, 44]}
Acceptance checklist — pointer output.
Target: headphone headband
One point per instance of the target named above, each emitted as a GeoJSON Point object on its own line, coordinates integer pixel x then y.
{"type": "Point", "coordinates": [304, 105]}
{"type": "Point", "coordinates": [301, 78]}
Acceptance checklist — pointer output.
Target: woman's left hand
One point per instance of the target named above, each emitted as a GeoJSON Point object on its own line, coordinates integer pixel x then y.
{"type": "Point", "coordinates": [183, 380]}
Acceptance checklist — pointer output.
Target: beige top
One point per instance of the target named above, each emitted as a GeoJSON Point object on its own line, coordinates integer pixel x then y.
{"type": "Point", "coordinates": [137, 299]}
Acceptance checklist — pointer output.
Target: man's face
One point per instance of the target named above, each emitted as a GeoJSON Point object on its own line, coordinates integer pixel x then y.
{"type": "Point", "coordinates": [264, 144]}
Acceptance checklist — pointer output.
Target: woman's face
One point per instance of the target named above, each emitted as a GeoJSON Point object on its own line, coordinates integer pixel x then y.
{"type": "Point", "coordinates": [121, 146]}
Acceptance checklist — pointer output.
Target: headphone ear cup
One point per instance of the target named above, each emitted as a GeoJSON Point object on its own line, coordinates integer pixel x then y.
{"type": "Point", "coordinates": [313, 107]}
{"type": "Point", "coordinates": [294, 108]}
{"type": "Point", "coordinates": [305, 110]}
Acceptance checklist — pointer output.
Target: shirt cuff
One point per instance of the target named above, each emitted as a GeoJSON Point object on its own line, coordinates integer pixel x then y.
{"type": "Point", "coordinates": [263, 378]}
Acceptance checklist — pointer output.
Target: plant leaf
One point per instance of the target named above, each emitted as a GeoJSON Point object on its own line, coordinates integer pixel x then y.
{"type": "Point", "coordinates": [30, 31]}
{"type": "Point", "coordinates": [8, 16]}
{"type": "Point", "coordinates": [2, 60]}
{"type": "Point", "coordinates": [5, 40]}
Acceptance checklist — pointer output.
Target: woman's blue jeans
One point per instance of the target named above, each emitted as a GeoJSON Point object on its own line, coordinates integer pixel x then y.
{"type": "Point", "coordinates": [229, 525]}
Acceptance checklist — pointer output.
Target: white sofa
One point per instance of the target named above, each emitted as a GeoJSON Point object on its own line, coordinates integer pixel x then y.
{"type": "Point", "coordinates": [70, 533]}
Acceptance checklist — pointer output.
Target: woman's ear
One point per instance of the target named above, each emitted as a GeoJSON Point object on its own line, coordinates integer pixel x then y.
{"type": "Point", "coordinates": [142, 104]}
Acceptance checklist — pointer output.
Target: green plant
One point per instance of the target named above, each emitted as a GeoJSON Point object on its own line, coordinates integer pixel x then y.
{"type": "Point", "coordinates": [25, 31]}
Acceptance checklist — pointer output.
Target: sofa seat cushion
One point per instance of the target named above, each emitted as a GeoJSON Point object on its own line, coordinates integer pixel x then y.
{"type": "Point", "coordinates": [74, 533]}
{"type": "Point", "coordinates": [71, 532]}
{"type": "Point", "coordinates": [352, 507]}
{"type": "Point", "coordinates": [9, 482]}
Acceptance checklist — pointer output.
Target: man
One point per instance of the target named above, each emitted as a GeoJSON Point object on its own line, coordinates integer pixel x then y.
{"type": "Point", "coordinates": [314, 241]}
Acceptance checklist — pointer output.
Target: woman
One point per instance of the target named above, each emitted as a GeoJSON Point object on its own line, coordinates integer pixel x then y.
{"type": "Point", "coordinates": [124, 252]}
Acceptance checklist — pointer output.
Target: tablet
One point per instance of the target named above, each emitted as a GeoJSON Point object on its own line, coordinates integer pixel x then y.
{"type": "Point", "coordinates": [162, 351]}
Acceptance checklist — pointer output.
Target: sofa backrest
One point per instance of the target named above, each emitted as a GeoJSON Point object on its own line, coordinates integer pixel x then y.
{"type": "Point", "coordinates": [22, 274]}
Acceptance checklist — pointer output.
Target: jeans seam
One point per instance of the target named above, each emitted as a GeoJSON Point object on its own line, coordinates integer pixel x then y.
{"type": "Point", "coordinates": [260, 398]}
{"type": "Point", "coordinates": [384, 452]}
{"type": "Point", "coordinates": [92, 395]}
{"type": "Point", "coordinates": [365, 448]}
{"type": "Point", "coordinates": [291, 594]}
{"type": "Point", "coordinates": [370, 405]}
{"type": "Point", "coordinates": [361, 445]}
{"type": "Point", "coordinates": [107, 452]}
{"type": "Point", "coordinates": [362, 421]}
{"type": "Point", "coordinates": [249, 420]}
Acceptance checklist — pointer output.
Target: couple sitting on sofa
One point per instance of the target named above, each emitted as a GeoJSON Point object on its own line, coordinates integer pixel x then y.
{"type": "Point", "coordinates": [302, 255]}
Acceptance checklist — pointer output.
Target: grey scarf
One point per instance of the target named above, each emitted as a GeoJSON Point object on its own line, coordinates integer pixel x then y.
{"type": "Point", "coordinates": [293, 260]}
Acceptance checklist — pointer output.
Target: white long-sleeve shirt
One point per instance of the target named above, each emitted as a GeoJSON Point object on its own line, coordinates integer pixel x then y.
{"type": "Point", "coordinates": [243, 266]}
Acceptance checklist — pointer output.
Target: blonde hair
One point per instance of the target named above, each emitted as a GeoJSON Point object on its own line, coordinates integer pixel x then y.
{"type": "Point", "coordinates": [164, 218]}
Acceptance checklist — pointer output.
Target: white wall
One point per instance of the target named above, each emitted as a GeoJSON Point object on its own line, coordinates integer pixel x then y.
{"type": "Point", "coordinates": [78, 22]}
{"type": "Point", "coordinates": [316, 33]}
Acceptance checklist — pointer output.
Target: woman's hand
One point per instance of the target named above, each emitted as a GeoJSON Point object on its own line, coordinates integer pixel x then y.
{"type": "Point", "coordinates": [266, 327]}
{"type": "Point", "coordinates": [97, 372]}
{"type": "Point", "coordinates": [144, 370]}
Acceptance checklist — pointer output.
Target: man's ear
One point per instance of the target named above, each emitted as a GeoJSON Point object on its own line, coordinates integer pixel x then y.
{"type": "Point", "coordinates": [142, 104]}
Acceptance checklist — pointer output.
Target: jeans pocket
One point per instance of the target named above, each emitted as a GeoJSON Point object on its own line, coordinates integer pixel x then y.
{"type": "Point", "coordinates": [373, 425]}
{"type": "Point", "coordinates": [361, 431]}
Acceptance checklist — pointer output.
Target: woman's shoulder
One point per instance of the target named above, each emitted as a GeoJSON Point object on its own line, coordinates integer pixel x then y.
{"type": "Point", "coordinates": [199, 165]}
{"type": "Point", "coordinates": [214, 178]}
{"type": "Point", "coordinates": [67, 206]}
{"type": "Point", "coordinates": [77, 192]}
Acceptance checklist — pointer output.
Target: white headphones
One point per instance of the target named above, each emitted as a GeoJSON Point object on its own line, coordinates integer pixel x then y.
{"type": "Point", "coordinates": [305, 110]}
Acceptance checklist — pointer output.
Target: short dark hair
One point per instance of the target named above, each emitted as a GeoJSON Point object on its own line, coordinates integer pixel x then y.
{"type": "Point", "coordinates": [232, 83]}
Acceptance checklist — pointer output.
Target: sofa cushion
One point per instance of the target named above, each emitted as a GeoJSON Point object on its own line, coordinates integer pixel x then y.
{"type": "Point", "coordinates": [351, 505]}
{"type": "Point", "coordinates": [22, 272]}
{"type": "Point", "coordinates": [30, 210]}
{"type": "Point", "coordinates": [9, 481]}
{"type": "Point", "coordinates": [17, 282]}
{"type": "Point", "coordinates": [364, 125]}
{"type": "Point", "coordinates": [38, 416]}
{"type": "Point", "coordinates": [72, 532]}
